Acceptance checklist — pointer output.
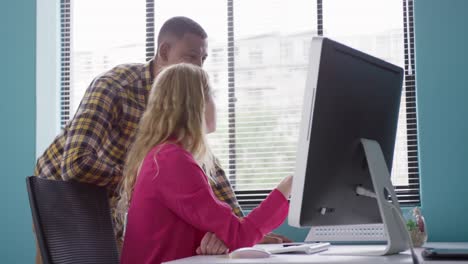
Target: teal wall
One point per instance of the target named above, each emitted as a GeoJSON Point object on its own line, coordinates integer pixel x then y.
{"type": "Point", "coordinates": [17, 133]}
{"type": "Point", "coordinates": [442, 97]}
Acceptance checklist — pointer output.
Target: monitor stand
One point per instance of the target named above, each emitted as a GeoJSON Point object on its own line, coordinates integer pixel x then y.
{"type": "Point", "coordinates": [395, 228]}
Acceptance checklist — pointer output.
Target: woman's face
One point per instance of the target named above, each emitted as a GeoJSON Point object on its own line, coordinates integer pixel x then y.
{"type": "Point", "coordinates": [210, 115]}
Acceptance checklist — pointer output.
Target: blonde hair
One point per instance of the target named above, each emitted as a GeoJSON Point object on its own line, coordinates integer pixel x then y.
{"type": "Point", "coordinates": [175, 111]}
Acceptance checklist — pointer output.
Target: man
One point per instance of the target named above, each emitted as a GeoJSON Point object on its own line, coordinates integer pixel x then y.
{"type": "Point", "coordinates": [92, 146]}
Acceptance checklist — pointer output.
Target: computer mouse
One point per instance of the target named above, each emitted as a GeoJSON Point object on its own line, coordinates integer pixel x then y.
{"type": "Point", "coordinates": [249, 252]}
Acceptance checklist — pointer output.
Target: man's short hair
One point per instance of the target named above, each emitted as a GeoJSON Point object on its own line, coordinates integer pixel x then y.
{"type": "Point", "coordinates": [178, 27]}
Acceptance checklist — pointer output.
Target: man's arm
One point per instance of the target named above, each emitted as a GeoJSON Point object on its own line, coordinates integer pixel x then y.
{"type": "Point", "coordinates": [224, 192]}
{"type": "Point", "coordinates": [88, 131]}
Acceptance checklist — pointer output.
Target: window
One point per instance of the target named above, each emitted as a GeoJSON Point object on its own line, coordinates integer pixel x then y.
{"type": "Point", "coordinates": [286, 51]}
{"type": "Point", "coordinates": [258, 66]}
{"type": "Point", "coordinates": [217, 55]}
{"type": "Point", "coordinates": [256, 56]}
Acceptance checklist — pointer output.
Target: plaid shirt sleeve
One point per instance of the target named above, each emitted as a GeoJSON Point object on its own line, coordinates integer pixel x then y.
{"type": "Point", "coordinates": [88, 131]}
{"type": "Point", "coordinates": [224, 192]}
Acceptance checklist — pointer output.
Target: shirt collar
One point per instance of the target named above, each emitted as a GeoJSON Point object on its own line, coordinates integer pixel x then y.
{"type": "Point", "coordinates": [148, 75]}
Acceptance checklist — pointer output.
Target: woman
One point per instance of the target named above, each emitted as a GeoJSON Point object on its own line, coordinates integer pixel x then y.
{"type": "Point", "coordinates": [172, 205]}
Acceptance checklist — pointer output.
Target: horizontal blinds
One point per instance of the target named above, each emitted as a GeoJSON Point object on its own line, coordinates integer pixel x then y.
{"type": "Point", "coordinates": [263, 158]}
{"type": "Point", "coordinates": [257, 64]}
{"type": "Point", "coordinates": [150, 44]}
{"type": "Point", "coordinates": [410, 194]}
{"type": "Point", "coordinates": [101, 40]}
{"type": "Point", "coordinates": [65, 60]}
{"type": "Point", "coordinates": [266, 78]}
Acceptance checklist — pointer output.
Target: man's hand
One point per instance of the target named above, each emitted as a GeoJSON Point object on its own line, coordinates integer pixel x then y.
{"type": "Point", "coordinates": [211, 245]}
{"type": "Point", "coordinates": [273, 238]}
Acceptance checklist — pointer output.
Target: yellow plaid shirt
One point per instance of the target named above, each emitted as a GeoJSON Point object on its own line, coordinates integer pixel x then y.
{"type": "Point", "coordinates": [92, 146]}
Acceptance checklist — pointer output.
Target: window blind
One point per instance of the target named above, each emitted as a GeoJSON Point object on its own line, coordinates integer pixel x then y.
{"type": "Point", "coordinates": [150, 43]}
{"type": "Point", "coordinates": [410, 193]}
{"type": "Point", "coordinates": [266, 98]}
{"type": "Point", "coordinates": [257, 64]}
{"type": "Point", "coordinates": [65, 60]}
{"type": "Point", "coordinates": [104, 34]}
{"type": "Point", "coordinates": [381, 28]}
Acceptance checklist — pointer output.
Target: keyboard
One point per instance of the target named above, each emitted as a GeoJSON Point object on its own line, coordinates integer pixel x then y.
{"type": "Point", "coordinates": [301, 248]}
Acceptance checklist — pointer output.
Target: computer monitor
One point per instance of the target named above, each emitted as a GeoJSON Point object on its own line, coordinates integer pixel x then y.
{"type": "Point", "coordinates": [346, 140]}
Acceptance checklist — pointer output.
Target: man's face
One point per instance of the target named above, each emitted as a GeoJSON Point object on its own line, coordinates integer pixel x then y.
{"type": "Point", "coordinates": [190, 49]}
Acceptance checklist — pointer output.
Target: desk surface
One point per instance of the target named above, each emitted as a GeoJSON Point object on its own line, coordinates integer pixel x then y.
{"type": "Point", "coordinates": [336, 254]}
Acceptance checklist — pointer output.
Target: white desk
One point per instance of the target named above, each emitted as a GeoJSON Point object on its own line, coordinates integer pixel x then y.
{"type": "Point", "coordinates": [336, 254]}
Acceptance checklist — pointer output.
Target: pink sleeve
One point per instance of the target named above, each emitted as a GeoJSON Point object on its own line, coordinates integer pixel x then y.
{"type": "Point", "coordinates": [183, 187]}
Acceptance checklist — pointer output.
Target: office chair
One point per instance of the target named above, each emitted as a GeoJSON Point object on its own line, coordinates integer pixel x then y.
{"type": "Point", "coordinates": [72, 221]}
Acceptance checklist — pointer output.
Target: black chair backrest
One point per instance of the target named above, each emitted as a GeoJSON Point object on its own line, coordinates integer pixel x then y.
{"type": "Point", "coordinates": [72, 222]}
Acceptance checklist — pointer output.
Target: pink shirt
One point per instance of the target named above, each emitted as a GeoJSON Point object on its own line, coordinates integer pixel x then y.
{"type": "Point", "coordinates": [173, 206]}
